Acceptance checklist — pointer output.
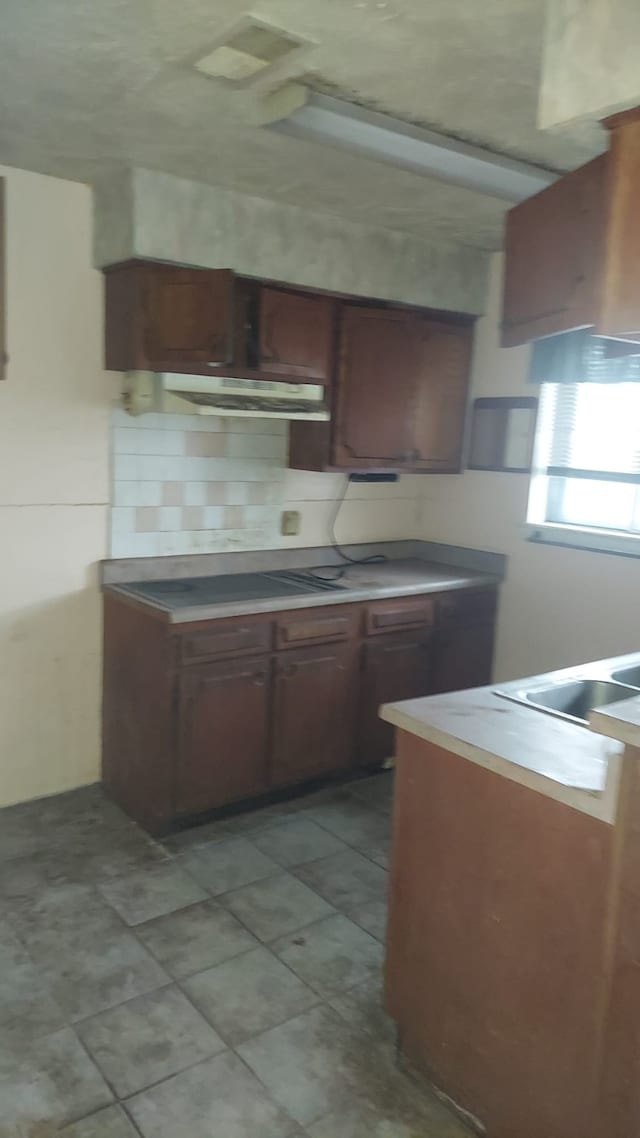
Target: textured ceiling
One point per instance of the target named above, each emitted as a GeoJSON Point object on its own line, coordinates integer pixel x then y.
{"type": "Point", "coordinates": [86, 85]}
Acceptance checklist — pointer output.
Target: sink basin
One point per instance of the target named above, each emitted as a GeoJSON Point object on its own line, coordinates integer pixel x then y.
{"type": "Point", "coordinates": [576, 698]}
{"type": "Point", "coordinates": [629, 676]}
{"type": "Point", "coordinates": [571, 699]}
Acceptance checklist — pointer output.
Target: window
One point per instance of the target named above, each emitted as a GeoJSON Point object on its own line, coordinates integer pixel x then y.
{"type": "Point", "coordinates": [587, 461]}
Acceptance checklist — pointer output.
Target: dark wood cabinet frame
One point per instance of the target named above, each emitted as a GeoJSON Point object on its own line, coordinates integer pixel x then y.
{"type": "Point", "coordinates": [399, 396]}
{"type": "Point", "coordinates": [397, 375]}
{"type": "Point", "coordinates": [573, 250]}
{"type": "Point", "coordinates": [161, 316]}
{"type": "Point", "coordinates": [205, 718]}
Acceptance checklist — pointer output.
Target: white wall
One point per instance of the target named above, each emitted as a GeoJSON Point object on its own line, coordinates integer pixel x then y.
{"type": "Point", "coordinates": [558, 606]}
{"type": "Point", "coordinates": [54, 479]}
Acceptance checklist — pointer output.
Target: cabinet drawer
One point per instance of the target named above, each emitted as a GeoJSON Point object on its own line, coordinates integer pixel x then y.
{"type": "Point", "coordinates": [386, 616]}
{"type": "Point", "coordinates": [461, 607]}
{"type": "Point", "coordinates": [225, 640]}
{"type": "Point", "coordinates": [315, 628]}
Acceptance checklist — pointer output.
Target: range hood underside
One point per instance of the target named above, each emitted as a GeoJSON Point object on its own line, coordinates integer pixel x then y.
{"type": "Point", "coordinates": [225, 396]}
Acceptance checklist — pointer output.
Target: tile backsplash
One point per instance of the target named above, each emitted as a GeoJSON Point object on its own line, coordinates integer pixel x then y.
{"type": "Point", "coordinates": [201, 484]}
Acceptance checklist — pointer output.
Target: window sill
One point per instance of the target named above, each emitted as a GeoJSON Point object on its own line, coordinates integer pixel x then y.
{"type": "Point", "coordinates": [619, 544]}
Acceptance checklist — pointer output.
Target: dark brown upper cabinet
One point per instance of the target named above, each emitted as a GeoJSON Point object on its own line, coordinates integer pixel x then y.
{"type": "Point", "coordinates": [400, 395]}
{"type": "Point", "coordinates": [442, 387]}
{"type": "Point", "coordinates": [162, 317]}
{"type": "Point", "coordinates": [296, 333]}
{"type": "Point", "coordinates": [397, 377]}
{"type": "Point", "coordinates": [573, 250]}
{"type": "Point", "coordinates": [552, 257]}
{"type": "Point", "coordinates": [375, 391]}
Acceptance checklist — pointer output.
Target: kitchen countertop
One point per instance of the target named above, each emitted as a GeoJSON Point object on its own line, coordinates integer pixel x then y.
{"type": "Point", "coordinates": [563, 760]}
{"type": "Point", "coordinates": [619, 721]}
{"type": "Point", "coordinates": [400, 577]}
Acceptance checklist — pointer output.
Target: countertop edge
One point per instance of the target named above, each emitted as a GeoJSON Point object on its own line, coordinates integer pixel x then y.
{"type": "Point", "coordinates": [474, 579]}
{"type": "Point", "coordinates": [598, 804]}
{"type": "Point", "coordinates": [613, 722]}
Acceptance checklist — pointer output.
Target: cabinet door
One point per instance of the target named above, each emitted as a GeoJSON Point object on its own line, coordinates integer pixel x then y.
{"type": "Point", "coordinates": [314, 712]}
{"type": "Point", "coordinates": [464, 657]}
{"type": "Point", "coordinates": [554, 248]}
{"type": "Point", "coordinates": [376, 388]}
{"type": "Point", "coordinates": [223, 734]}
{"type": "Point", "coordinates": [442, 384]}
{"type": "Point", "coordinates": [296, 334]}
{"type": "Point", "coordinates": [620, 303]}
{"type": "Point", "coordinates": [395, 668]}
{"type": "Point", "coordinates": [188, 316]}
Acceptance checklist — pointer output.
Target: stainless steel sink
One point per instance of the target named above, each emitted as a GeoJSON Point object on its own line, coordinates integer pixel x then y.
{"type": "Point", "coordinates": [575, 698]}
{"type": "Point", "coordinates": [629, 676]}
{"type": "Point", "coordinates": [570, 699]}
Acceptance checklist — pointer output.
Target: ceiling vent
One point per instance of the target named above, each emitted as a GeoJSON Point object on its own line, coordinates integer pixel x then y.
{"type": "Point", "coordinates": [249, 49]}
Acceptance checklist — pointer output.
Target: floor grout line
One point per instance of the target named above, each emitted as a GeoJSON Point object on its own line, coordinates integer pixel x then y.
{"type": "Point", "coordinates": [320, 998]}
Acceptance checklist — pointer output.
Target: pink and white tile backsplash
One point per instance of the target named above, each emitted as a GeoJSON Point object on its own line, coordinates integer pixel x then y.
{"type": "Point", "coordinates": [195, 484]}
{"type": "Point", "coordinates": [201, 484]}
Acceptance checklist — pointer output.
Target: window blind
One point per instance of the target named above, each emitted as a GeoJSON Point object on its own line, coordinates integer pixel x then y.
{"type": "Point", "coordinates": [589, 455]}
{"type": "Point", "coordinates": [596, 431]}
{"type": "Point", "coordinates": [580, 357]}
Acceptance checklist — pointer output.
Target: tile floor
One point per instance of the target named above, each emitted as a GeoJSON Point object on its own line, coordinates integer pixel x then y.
{"type": "Point", "coordinates": [224, 983]}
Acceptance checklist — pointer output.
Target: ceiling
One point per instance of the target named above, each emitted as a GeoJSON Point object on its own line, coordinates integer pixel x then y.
{"type": "Point", "coordinates": [89, 85]}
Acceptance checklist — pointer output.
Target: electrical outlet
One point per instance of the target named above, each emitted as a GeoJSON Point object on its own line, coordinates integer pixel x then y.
{"type": "Point", "coordinates": [290, 523]}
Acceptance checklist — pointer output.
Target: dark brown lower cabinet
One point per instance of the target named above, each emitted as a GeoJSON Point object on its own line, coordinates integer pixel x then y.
{"type": "Point", "coordinates": [222, 734]}
{"type": "Point", "coordinates": [314, 704]}
{"type": "Point", "coordinates": [394, 668]}
{"type": "Point", "coordinates": [464, 657]}
{"type": "Point", "coordinates": [206, 714]}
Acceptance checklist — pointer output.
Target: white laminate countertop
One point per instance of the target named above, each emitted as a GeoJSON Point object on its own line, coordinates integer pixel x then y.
{"type": "Point", "coordinates": [393, 578]}
{"type": "Point", "coordinates": [556, 757]}
{"type": "Point", "coordinates": [619, 721]}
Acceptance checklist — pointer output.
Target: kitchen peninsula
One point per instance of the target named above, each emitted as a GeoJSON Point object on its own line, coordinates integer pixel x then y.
{"type": "Point", "coordinates": [513, 950]}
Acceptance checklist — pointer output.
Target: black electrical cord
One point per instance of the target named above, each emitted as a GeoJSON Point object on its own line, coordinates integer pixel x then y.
{"type": "Point", "coordinates": [372, 559]}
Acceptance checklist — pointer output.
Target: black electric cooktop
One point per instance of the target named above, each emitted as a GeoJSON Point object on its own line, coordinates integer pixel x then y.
{"type": "Point", "coordinates": [185, 592]}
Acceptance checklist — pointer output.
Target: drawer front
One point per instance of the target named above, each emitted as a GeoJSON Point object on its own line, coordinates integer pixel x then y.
{"type": "Point", "coordinates": [327, 627]}
{"type": "Point", "coordinates": [389, 616]}
{"type": "Point", "coordinates": [225, 640]}
{"type": "Point", "coordinates": [467, 605]}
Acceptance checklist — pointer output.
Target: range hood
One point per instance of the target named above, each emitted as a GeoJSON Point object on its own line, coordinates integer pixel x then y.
{"type": "Point", "coordinates": [146, 391]}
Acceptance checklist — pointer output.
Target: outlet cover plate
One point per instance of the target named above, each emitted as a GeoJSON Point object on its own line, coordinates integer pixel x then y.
{"type": "Point", "coordinates": [290, 523]}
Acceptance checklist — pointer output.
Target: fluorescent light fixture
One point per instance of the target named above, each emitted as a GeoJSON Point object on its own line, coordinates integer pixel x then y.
{"type": "Point", "coordinates": [297, 111]}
